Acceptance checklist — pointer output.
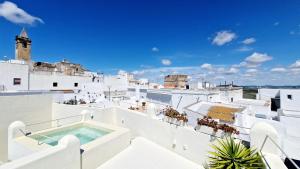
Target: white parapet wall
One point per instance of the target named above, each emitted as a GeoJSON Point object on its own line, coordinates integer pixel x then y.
{"type": "Point", "coordinates": [16, 150]}
{"type": "Point", "coordinates": [258, 134]}
{"type": "Point", "coordinates": [29, 108]}
{"type": "Point", "coordinates": [66, 155]}
{"type": "Point", "coordinates": [184, 141]}
{"type": "Point", "coordinates": [289, 100]}
{"type": "Point", "coordinates": [101, 150]}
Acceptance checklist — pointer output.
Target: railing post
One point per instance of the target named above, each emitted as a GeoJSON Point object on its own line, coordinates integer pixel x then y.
{"type": "Point", "coordinates": [264, 142]}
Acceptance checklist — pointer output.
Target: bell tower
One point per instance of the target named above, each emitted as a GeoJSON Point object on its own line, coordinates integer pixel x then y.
{"type": "Point", "coordinates": [23, 47]}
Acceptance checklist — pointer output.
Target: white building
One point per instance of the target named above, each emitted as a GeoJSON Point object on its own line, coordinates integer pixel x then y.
{"type": "Point", "coordinates": [14, 75]}
{"type": "Point", "coordinates": [24, 74]}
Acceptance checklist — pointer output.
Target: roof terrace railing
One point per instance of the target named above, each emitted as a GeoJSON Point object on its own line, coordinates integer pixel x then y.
{"type": "Point", "coordinates": [179, 102]}
{"type": "Point", "coordinates": [55, 120]}
{"type": "Point", "coordinates": [39, 142]}
{"type": "Point", "coordinates": [27, 133]}
{"type": "Point", "coordinates": [281, 150]}
{"type": "Point", "coordinates": [59, 120]}
{"type": "Point", "coordinates": [47, 137]}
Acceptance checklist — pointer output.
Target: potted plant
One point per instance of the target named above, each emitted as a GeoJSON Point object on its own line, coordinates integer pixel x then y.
{"type": "Point", "coordinates": [209, 122]}
{"type": "Point", "coordinates": [230, 154]}
{"type": "Point", "coordinates": [174, 117]}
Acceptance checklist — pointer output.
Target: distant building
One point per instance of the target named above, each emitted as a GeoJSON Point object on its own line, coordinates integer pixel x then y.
{"type": "Point", "coordinates": [24, 74]}
{"type": "Point", "coordinates": [64, 67]}
{"type": "Point", "coordinates": [176, 81]}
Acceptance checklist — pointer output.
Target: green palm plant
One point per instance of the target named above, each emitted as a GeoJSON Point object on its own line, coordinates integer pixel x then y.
{"type": "Point", "coordinates": [229, 154]}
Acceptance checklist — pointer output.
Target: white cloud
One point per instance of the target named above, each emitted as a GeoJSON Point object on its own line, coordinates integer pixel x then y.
{"type": "Point", "coordinates": [13, 13]}
{"type": "Point", "coordinates": [251, 70]}
{"type": "Point", "coordinates": [292, 33]}
{"type": "Point", "coordinates": [244, 49]}
{"type": "Point", "coordinates": [258, 58]}
{"type": "Point", "coordinates": [296, 64]}
{"type": "Point", "coordinates": [249, 41]}
{"type": "Point", "coordinates": [219, 77]}
{"type": "Point", "coordinates": [155, 49]}
{"type": "Point", "coordinates": [206, 66]}
{"type": "Point", "coordinates": [138, 72]}
{"type": "Point", "coordinates": [249, 75]}
{"type": "Point", "coordinates": [295, 71]}
{"type": "Point", "coordinates": [278, 69]}
{"type": "Point", "coordinates": [223, 37]}
{"type": "Point", "coordinates": [254, 60]}
{"type": "Point", "coordinates": [121, 71]}
{"type": "Point", "coordinates": [231, 71]}
{"type": "Point", "coordinates": [241, 75]}
{"type": "Point", "coordinates": [166, 62]}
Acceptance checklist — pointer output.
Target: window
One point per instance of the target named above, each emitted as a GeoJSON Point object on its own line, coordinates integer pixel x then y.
{"type": "Point", "coordinates": [75, 84]}
{"type": "Point", "coordinates": [17, 81]}
{"type": "Point", "coordinates": [24, 44]}
{"type": "Point", "coordinates": [55, 84]}
{"type": "Point", "coordinates": [289, 96]}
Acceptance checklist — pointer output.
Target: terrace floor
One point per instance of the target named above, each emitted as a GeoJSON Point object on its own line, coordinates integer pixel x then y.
{"type": "Point", "coordinates": [144, 154]}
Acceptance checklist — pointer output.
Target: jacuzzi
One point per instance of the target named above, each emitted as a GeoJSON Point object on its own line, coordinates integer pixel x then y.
{"type": "Point", "coordinates": [99, 141]}
{"type": "Point", "coordinates": [85, 132]}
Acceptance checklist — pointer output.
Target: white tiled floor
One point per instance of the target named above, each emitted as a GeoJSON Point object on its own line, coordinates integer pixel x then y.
{"type": "Point", "coordinates": [144, 154]}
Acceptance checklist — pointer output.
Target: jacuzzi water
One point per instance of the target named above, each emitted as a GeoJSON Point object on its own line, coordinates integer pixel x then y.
{"type": "Point", "coordinates": [84, 133]}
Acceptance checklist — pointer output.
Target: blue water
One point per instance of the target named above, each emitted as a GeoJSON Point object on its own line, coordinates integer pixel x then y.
{"type": "Point", "coordinates": [83, 133]}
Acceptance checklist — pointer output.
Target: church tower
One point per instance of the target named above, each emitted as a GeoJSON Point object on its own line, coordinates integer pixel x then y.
{"type": "Point", "coordinates": [23, 47]}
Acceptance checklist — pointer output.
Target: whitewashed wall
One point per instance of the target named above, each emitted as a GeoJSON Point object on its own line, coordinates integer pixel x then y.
{"type": "Point", "coordinates": [66, 155]}
{"type": "Point", "coordinates": [292, 125]}
{"type": "Point", "coordinates": [45, 81]}
{"type": "Point", "coordinates": [118, 82]}
{"type": "Point", "coordinates": [190, 98]}
{"type": "Point", "coordinates": [184, 141]}
{"type": "Point", "coordinates": [9, 71]}
{"type": "Point", "coordinates": [267, 94]}
{"type": "Point", "coordinates": [290, 104]}
{"type": "Point", "coordinates": [188, 143]}
{"type": "Point", "coordinates": [226, 95]}
{"type": "Point", "coordinates": [27, 108]}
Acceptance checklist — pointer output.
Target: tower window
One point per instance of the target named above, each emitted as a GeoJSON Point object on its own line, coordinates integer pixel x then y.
{"type": "Point", "coordinates": [24, 44]}
{"type": "Point", "coordinates": [75, 84]}
{"type": "Point", "coordinates": [290, 97]}
{"type": "Point", "coordinates": [55, 84]}
{"type": "Point", "coordinates": [17, 81]}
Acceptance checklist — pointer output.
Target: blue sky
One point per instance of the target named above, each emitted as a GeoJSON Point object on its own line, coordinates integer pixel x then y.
{"type": "Point", "coordinates": [249, 42]}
